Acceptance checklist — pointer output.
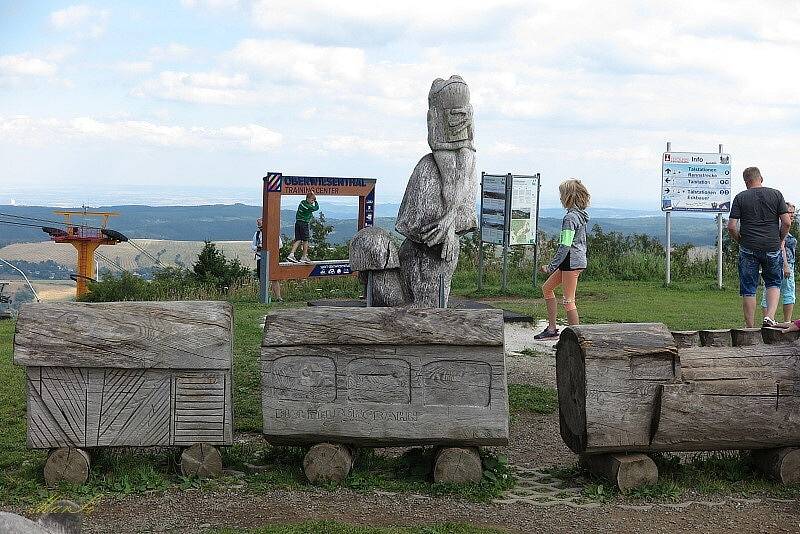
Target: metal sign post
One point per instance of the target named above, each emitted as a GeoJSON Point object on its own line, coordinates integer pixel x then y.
{"type": "Point", "coordinates": [480, 240]}
{"type": "Point", "coordinates": [506, 232]}
{"type": "Point", "coordinates": [536, 232]}
{"type": "Point", "coordinates": [669, 233]}
{"type": "Point", "coordinates": [695, 181]}
{"type": "Point", "coordinates": [719, 239]}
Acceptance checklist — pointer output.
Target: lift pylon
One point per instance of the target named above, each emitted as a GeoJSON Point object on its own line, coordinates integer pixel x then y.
{"type": "Point", "coordinates": [85, 239]}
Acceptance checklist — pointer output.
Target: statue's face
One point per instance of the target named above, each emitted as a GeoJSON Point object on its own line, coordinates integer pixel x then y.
{"type": "Point", "coordinates": [449, 114]}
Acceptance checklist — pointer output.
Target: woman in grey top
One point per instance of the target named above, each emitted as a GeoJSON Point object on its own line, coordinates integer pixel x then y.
{"type": "Point", "coordinates": [570, 258]}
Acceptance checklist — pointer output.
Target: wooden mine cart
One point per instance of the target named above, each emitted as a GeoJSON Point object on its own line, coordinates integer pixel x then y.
{"type": "Point", "coordinates": [377, 377]}
{"type": "Point", "coordinates": [126, 374]}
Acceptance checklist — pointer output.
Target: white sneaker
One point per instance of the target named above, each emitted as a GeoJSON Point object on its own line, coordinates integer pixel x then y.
{"type": "Point", "coordinates": [305, 259]}
{"type": "Point", "coordinates": [291, 258]}
{"type": "Point", "coordinates": [769, 321]}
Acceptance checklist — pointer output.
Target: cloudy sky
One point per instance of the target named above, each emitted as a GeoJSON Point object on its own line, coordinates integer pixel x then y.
{"type": "Point", "coordinates": [197, 99]}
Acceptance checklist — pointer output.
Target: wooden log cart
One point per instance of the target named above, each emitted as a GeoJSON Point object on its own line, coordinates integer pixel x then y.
{"type": "Point", "coordinates": [126, 374]}
{"type": "Point", "coordinates": [627, 389]}
{"type": "Point", "coordinates": [340, 378]}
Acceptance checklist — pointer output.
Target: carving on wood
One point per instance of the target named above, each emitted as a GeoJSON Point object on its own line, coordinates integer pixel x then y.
{"type": "Point", "coordinates": [380, 380]}
{"type": "Point", "coordinates": [398, 376]}
{"type": "Point", "coordinates": [302, 378]}
{"type": "Point", "coordinates": [457, 382]}
{"type": "Point", "coordinates": [121, 374]}
{"type": "Point", "coordinates": [438, 207]}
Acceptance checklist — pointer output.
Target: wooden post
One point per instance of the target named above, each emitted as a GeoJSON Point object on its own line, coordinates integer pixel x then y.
{"type": "Point", "coordinates": [201, 460]}
{"type": "Point", "coordinates": [627, 471]}
{"type": "Point", "coordinates": [716, 338]}
{"type": "Point", "coordinates": [328, 462]}
{"type": "Point", "coordinates": [67, 464]}
{"type": "Point", "coordinates": [781, 464]}
{"type": "Point", "coordinates": [458, 465]}
{"type": "Point", "coordinates": [776, 335]}
{"type": "Point", "coordinates": [686, 338]}
{"type": "Point", "coordinates": [746, 337]}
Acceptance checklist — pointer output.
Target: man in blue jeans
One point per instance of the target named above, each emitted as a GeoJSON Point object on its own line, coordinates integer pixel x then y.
{"type": "Point", "coordinates": [759, 221]}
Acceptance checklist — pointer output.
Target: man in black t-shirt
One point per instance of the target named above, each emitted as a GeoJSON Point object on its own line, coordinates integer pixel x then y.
{"type": "Point", "coordinates": [759, 222]}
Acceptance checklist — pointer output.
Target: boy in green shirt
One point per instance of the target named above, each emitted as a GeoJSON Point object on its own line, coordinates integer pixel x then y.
{"type": "Point", "coordinates": [302, 227]}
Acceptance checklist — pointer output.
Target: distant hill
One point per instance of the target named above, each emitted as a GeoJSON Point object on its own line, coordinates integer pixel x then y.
{"type": "Point", "coordinates": [236, 222]}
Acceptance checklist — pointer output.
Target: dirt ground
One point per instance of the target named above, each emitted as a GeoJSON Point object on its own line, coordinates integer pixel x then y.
{"type": "Point", "coordinates": [535, 441]}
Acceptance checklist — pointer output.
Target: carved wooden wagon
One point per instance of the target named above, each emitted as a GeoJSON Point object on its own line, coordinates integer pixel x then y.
{"type": "Point", "coordinates": [378, 377]}
{"type": "Point", "coordinates": [126, 374]}
{"type": "Point", "coordinates": [638, 388]}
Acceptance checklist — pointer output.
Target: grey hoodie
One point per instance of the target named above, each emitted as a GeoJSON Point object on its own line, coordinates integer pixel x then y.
{"type": "Point", "coordinates": [572, 240]}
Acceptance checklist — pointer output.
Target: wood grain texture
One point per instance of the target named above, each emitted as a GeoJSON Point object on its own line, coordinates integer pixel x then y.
{"type": "Point", "coordinates": [125, 335]}
{"type": "Point", "coordinates": [372, 249]}
{"type": "Point", "coordinates": [716, 338]}
{"type": "Point", "coordinates": [384, 395]}
{"type": "Point", "coordinates": [67, 464]}
{"type": "Point", "coordinates": [327, 462]}
{"type": "Point", "coordinates": [716, 415]}
{"type": "Point", "coordinates": [626, 471]}
{"type": "Point", "coordinates": [608, 379]}
{"type": "Point", "coordinates": [686, 338]}
{"type": "Point", "coordinates": [69, 407]}
{"type": "Point", "coordinates": [383, 326]}
{"type": "Point", "coordinates": [458, 465]}
{"type": "Point", "coordinates": [745, 337]}
{"type": "Point", "coordinates": [201, 460]}
{"type": "Point", "coordinates": [776, 335]}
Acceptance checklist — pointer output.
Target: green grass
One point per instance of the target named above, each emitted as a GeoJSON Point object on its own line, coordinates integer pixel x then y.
{"type": "Point", "coordinates": [335, 527]}
{"type": "Point", "coordinates": [681, 306]}
{"type": "Point", "coordinates": [534, 399]}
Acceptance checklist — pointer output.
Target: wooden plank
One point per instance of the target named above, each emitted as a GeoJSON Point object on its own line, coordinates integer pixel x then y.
{"type": "Point", "coordinates": [384, 395]}
{"type": "Point", "coordinates": [716, 338]}
{"type": "Point", "coordinates": [383, 326]}
{"type": "Point", "coordinates": [132, 335]}
{"type": "Point", "coordinates": [201, 408]}
{"type": "Point", "coordinates": [710, 416]}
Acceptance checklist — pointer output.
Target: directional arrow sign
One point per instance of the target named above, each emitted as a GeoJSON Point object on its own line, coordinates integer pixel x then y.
{"type": "Point", "coordinates": [695, 181]}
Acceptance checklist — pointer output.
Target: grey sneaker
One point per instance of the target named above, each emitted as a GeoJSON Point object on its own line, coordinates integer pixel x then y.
{"type": "Point", "coordinates": [546, 334]}
{"type": "Point", "coordinates": [291, 258]}
{"type": "Point", "coordinates": [305, 259]}
{"type": "Point", "coordinates": [769, 322]}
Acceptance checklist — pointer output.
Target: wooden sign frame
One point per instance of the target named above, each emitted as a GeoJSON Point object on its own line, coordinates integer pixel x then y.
{"type": "Point", "coordinates": [276, 185]}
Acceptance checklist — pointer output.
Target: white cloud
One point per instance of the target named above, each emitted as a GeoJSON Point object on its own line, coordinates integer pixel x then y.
{"type": "Point", "coordinates": [134, 67]}
{"type": "Point", "coordinates": [376, 146]}
{"type": "Point", "coordinates": [291, 61]}
{"type": "Point", "coordinates": [84, 20]}
{"type": "Point", "coordinates": [199, 87]}
{"type": "Point", "coordinates": [36, 132]}
{"type": "Point", "coordinates": [210, 4]}
{"type": "Point", "coordinates": [26, 65]}
{"type": "Point", "coordinates": [170, 52]}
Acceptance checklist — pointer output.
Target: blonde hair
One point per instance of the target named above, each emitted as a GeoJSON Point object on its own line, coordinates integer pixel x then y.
{"type": "Point", "coordinates": [574, 194]}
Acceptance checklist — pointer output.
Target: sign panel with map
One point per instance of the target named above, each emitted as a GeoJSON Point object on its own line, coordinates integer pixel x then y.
{"type": "Point", "coordinates": [524, 210]}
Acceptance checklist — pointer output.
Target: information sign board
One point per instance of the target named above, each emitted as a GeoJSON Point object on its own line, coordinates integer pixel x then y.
{"type": "Point", "coordinates": [692, 181]}
{"type": "Point", "coordinates": [493, 209]}
{"type": "Point", "coordinates": [524, 201]}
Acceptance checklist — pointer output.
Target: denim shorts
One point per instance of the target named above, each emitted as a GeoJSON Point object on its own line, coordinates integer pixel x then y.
{"type": "Point", "coordinates": [771, 264]}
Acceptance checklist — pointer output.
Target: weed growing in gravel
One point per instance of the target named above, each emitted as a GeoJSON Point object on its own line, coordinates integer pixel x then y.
{"type": "Point", "coordinates": [535, 399]}
{"type": "Point", "coordinates": [530, 352]}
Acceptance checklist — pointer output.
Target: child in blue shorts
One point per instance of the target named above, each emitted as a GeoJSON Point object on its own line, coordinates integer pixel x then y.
{"type": "Point", "coordinates": [787, 287]}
